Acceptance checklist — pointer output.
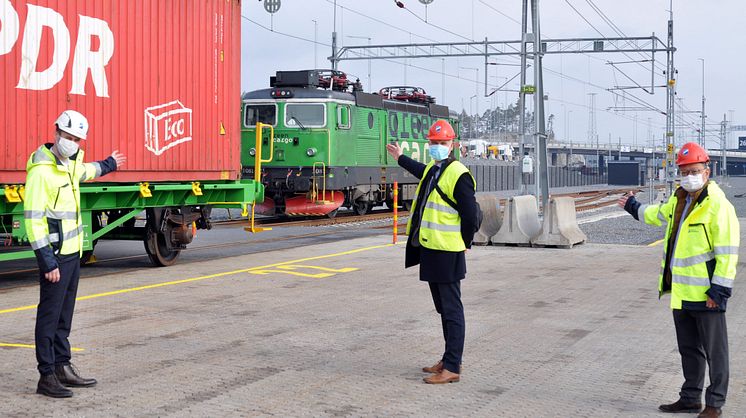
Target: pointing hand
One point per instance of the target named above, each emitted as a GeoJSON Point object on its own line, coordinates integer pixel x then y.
{"type": "Point", "coordinates": [624, 198]}
{"type": "Point", "coordinates": [394, 150]}
{"type": "Point", "coordinates": [119, 157]}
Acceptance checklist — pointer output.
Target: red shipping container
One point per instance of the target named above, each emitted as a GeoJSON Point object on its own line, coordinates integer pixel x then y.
{"type": "Point", "coordinates": [158, 80]}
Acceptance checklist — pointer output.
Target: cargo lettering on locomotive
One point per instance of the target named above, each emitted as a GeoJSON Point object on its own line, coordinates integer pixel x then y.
{"type": "Point", "coordinates": [85, 58]}
{"type": "Point", "coordinates": [405, 125]}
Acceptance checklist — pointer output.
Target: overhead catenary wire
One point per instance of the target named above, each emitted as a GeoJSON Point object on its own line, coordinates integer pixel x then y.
{"type": "Point", "coordinates": [628, 96]}
{"type": "Point", "coordinates": [462, 78]}
{"type": "Point", "coordinates": [355, 52]}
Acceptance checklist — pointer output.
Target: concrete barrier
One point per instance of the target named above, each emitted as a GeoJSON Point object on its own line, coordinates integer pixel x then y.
{"type": "Point", "coordinates": [520, 221]}
{"type": "Point", "coordinates": [560, 227]}
{"type": "Point", "coordinates": [492, 218]}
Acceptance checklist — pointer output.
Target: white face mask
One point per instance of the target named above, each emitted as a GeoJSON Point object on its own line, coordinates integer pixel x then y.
{"type": "Point", "coordinates": [693, 182]}
{"type": "Point", "coordinates": [66, 147]}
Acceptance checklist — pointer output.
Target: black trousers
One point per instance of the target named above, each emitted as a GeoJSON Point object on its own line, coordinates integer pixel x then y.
{"type": "Point", "coordinates": [447, 300]}
{"type": "Point", "coordinates": [703, 341]}
{"type": "Point", "coordinates": [54, 315]}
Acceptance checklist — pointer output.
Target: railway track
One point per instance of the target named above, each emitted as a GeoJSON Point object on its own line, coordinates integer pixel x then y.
{"type": "Point", "coordinates": [584, 201]}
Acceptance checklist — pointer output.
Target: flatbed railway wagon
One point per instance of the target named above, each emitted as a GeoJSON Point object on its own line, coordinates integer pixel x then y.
{"type": "Point", "coordinates": [330, 137]}
{"type": "Point", "coordinates": [159, 81]}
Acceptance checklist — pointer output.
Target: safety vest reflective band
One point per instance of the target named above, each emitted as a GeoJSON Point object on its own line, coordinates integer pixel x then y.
{"type": "Point", "coordinates": [706, 250]}
{"type": "Point", "coordinates": [52, 201]}
{"type": "Point", "coordinates": [440, 226]}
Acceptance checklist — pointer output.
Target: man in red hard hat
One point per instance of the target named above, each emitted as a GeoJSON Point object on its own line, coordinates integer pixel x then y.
{"type": "Point", "coordinates": [442, 225]}
{"type": "Point", "coordinates": [699, 267]}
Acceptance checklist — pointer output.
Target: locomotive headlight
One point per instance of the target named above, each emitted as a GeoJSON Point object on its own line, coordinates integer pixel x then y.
{"type": "Point", "coordinates": [311, 152]}
{"type": "Point", "coordinates": [252, 152]}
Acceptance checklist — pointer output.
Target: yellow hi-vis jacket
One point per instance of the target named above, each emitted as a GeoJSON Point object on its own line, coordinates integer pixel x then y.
{"type": "Point", "coordinates": [52, 204]}
{"type": "Point", "coordinates": [440, 225]}
{"type": "Point", "coordinates": [705, 256]}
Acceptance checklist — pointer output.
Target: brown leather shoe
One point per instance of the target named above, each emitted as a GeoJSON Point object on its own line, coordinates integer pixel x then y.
{"type": "Point", "coordinates": [680, 406]}
{"type": "Point", "coordinates": [710, 412]}
{"type": "Point", "coordinates": [437, 368]}
{"type": "Point", "coordinates": [443, 377]}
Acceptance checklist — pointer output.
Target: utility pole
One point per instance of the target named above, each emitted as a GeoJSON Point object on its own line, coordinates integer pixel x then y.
{"type": "Point", "coordinates": [670, 105]}
{"type": "Point", "coordinates": [723, 134]}
{"type": "Point", "coordinates": [541, 169]}
{"type": "Point", "coordinates": [569, 132]}
{"type": "Point", "coordinates": [476, 89]}
{"type": "Point", "coordinates": [334, 39]}
{"type": "Point", "coordinates": [522, 94]}
{"type": "Point", "coordinates": [592, 134]}
{"type": "Point", "coordinates": [703, 139]}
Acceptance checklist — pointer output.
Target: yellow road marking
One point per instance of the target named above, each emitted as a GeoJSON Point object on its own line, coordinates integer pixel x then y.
{"type": "Point", "coordinates": [32, 346]}
{"type": "Point", "coordinates": [290, 269]}
{"type": "Point", "coordinates": [293, 273]}
{"type": "Point", "coordinates": [296, 266]}
{"type": "Point", "coordinates": [653, 244]}
{"type": "Point", "coordinates": [210, 276]}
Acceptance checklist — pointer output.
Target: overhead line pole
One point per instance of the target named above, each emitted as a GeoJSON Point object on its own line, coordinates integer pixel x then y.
{"type": "Point", "coordinates": [522, 94]}
{"type": "Point", "coordinates": [671, 104]}
{"type": "Point", "coordinates": [541, 168]}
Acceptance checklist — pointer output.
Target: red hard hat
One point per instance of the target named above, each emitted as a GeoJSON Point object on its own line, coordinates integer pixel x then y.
{"type": "Point", "coordinates": [441, 130]}
{"type": "Point", "coordinates": [691, 153]}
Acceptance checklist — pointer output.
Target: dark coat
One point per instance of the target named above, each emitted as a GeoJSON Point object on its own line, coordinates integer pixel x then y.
{"type": "Point", "coordinates": [442, 266]}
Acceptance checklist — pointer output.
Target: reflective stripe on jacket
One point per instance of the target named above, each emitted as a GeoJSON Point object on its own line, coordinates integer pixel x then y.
{"type": "Point", "coordinates": [52, 202]}
{"type": "Point", "coordinates": [706, 252]}
{"type": "Point", "coordinates": [440, 226]}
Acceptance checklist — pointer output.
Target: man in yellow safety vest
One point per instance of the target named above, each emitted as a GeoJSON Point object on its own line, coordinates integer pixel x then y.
{"type": "Point", "coordinates": [444, 217]}
{"type": "Point", "coordinates": [698, 269]}
{"type": "Point", "coordinates": [54, 226]}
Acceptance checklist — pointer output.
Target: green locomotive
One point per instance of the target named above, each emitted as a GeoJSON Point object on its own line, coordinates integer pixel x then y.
{"type": "Point", "coordinates": [329, 145]}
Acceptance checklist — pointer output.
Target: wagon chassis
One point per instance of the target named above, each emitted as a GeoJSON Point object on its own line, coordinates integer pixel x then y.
{"type": "Point", "coordinates": [173, 212]}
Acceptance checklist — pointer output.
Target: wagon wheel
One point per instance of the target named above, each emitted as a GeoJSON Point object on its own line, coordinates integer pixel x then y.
{"type": "Point", "coordinates": [361, 207]}
{"type": "Point", "coordinates": [158, 252]}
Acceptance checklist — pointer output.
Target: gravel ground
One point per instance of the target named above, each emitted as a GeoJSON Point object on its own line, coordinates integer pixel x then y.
{"type": "Point", "coordinates": [625, 229]}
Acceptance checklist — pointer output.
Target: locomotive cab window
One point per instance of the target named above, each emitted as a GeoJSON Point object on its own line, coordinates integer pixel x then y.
{"type": "Point", "coordinates": [264, 113]}
{"type": "Point", "coordinates": [305, 115]}
{"type": "Point", "coordinates": [343, 117]}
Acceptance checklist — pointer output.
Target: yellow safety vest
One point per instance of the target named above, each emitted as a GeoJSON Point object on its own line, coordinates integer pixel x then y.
{"type": "Point", "coordinates": [52, 201]}
{"type": "Point", "coordinates": [440, 226]}
{"type": "Point", "coordinates": [710, 232]}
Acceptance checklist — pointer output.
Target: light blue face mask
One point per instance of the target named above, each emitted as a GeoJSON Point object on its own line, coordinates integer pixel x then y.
{"type": "Point", "coordinates": [439, 152]}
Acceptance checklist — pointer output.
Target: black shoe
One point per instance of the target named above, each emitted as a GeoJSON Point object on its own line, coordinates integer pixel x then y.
{"type": "Point", "coordinates": [680, 406]}
{"type": "Point", "coordinates": [50, 386]}
{"type": "Point", "coordinates": [68, 376]}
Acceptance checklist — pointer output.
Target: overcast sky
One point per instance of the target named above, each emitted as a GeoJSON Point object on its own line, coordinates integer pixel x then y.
{"type": "Point", "coordinates": [714, 30]}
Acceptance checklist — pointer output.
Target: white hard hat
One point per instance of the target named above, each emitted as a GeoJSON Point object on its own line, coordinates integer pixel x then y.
{"type": "Point", "coordinates": [73, 123]}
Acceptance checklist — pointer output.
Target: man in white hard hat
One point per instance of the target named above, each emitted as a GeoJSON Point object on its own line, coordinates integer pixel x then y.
{"type": "Point", "coordinates": [54, 227]}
